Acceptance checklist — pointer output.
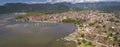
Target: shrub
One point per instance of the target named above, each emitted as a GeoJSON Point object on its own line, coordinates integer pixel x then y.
{"type": "Point", "coordinates": [84, 41]}
{"type": "Point", "coordinates": [91, 24]}
{"type": "Point", "coordinates": [19, 17]}
{"type": "Point", "coordinates": [98, 26]}
{"type": "Point", "coordinates": [79, 43]}
{"type": "Point", "coordinates": [111, 29]}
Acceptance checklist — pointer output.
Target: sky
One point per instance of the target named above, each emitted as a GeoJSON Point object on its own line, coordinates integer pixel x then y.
{"type": "Point", "coordinates": [52, 1]}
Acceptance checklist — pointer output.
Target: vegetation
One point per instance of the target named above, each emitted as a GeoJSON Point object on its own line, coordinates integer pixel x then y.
{"type": "Point", "coordinates": [22, 7]}
{"type": "Point", "coordinates": [59, 7]}
{"type": "Point", "coordinates": [84, 43]}
{"type": "Point", "coordinates": [94, 23]}
{"type": "Point", "coordinates": [75, 21]}
{"type": "Point", "coordinates": [113, 20]}
{"type": "Point", "coordinates": [98, 32]}
{"type": "Point", "coordinates": [98, 26]}
{"type": "Point", "coordinates": [30, 14]}
{"type": "Point", "coordinates": [111, 29]}
{"type": "Point", "coordinates": [34, 14]}
{"type": "Point", "coordinates": [69, 21]}
{"type": "Point", "coordinates": [20, 17]}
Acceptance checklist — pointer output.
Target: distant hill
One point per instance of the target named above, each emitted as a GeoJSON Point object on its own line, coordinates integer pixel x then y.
{"type": "Point", "coordinates": [105, 6]}
{"type": "Point", "coordinates": [22, 7]}
{"type": "Point", "coordinates": [59, 7]}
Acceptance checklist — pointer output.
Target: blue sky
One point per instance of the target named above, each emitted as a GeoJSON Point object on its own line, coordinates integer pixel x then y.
{"type": "Point", "coordinates": [20, 1]}
{"type": "Point", "coordinates": [53, 1]}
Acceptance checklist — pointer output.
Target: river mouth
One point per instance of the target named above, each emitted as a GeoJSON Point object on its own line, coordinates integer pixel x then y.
{"type": "Point", "coordinates": [35, 34]}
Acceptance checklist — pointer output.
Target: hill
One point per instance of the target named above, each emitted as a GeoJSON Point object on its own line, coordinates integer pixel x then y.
{"type": "Point", "coordinates": [59, 7]}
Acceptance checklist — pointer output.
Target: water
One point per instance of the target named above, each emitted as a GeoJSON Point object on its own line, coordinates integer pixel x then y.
{"type": "Point", "coordinates": [14, 34]}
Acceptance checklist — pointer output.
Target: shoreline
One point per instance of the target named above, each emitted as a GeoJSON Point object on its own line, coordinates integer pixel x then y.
{"type": "Point", "coordinates": [75, 32]}
{"type": "Point", "coordinates": [92, 28]}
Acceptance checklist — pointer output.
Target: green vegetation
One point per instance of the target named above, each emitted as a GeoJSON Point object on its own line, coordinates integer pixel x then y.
{"type": "Point", "coordinates": [113, 20]}
{"type": "Point", "coordinates": [115, 38]}
{"type": "Point", "coordinates": [30, 14]}
{"type": "Point", "coordinates": [74, 21]}
{"type": "Point", "coordinates": [106, 38]}
{"type": "Point", "coordinates": [91, 24]}
{"type": "Point", "coordinates": [20, 17]}
{"type": "Point", "coordinates": [79, 43]}
{"type": "Point", "coordinates": [111, 29]}
{"type": "Point", "coordinates": [98, 26]}
{"type": "Point", "coordinates": [73, 14]}
{"type": "Point", "coordinates": [69, 21]}
{"type": "Point", "coordinates": [102, 31]}
{"type": "Point", "coordinates": [22, 7]}
{"type": "Point", "coordinates": [82, 35]}
{"type": "Point", "coordinates": [34, 14]}
{"type": "Point", "coordinates": [110, 34]}
{"type": "Point", "coordinates": [104, 26]}
{"type": "Point", "coordinates": [84, 41]}
{"type": "Point", "coordinates": [105, 31]}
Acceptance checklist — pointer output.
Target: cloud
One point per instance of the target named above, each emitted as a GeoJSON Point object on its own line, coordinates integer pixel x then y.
{"type": "Point", "coordinates": [34, 2]}
{"type": "Point", "coordinates": [75, 1]}
{"type": "Point", "coordinates": [78, 1]}
{"type": "Point", "coordinates": [72, 1]}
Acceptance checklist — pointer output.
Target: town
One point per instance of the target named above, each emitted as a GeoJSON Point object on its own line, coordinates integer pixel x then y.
{"type": "Point", "coordinates": [94, 28]}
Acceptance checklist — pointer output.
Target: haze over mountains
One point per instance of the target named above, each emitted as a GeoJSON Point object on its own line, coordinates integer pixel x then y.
{"type": "Point", "coordinates": [59, 7]}
{"type": "Point", "coordinates": [51, 1]}
{"type": "Point", "coordinates": [78, 1]}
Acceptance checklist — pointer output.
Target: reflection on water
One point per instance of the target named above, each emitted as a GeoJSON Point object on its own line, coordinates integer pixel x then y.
{"type": "Point", "coordinates": [34, 34]}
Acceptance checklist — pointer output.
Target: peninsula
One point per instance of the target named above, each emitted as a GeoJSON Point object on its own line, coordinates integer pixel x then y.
{"type": "Point", "coordinates": [94, 28]}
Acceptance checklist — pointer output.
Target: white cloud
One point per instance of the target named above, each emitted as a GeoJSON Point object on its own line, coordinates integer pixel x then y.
{"type": "Point", "coordinates": [34, 2]}
{"type": "Point", "coordinates": [72, 1]}
{"type": "Point", "coordinates": [78, 1]}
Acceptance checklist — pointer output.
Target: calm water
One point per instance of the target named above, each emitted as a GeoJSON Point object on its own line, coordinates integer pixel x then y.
{"type": "Point", "coordinates": [14, 34]}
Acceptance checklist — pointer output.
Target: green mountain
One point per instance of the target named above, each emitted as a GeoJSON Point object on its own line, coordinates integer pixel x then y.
{"type": "Point", "coordinates": [59, 7]}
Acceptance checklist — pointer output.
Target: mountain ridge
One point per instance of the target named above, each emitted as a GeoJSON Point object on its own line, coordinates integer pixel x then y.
{"type": "Point", "coordinates": [58, 7]}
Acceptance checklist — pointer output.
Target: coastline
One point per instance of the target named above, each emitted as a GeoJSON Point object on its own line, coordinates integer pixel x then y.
{"type": "Point", "coordinates": [92, 28]}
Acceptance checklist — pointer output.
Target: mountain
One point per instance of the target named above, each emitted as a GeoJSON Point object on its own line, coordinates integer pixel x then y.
{"type": "Point", "coordinates": [22, 7]}
{"type": "Point", "coordinates": [59, 7]}
{"type": "Point", "coordinates": [99, 5]}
